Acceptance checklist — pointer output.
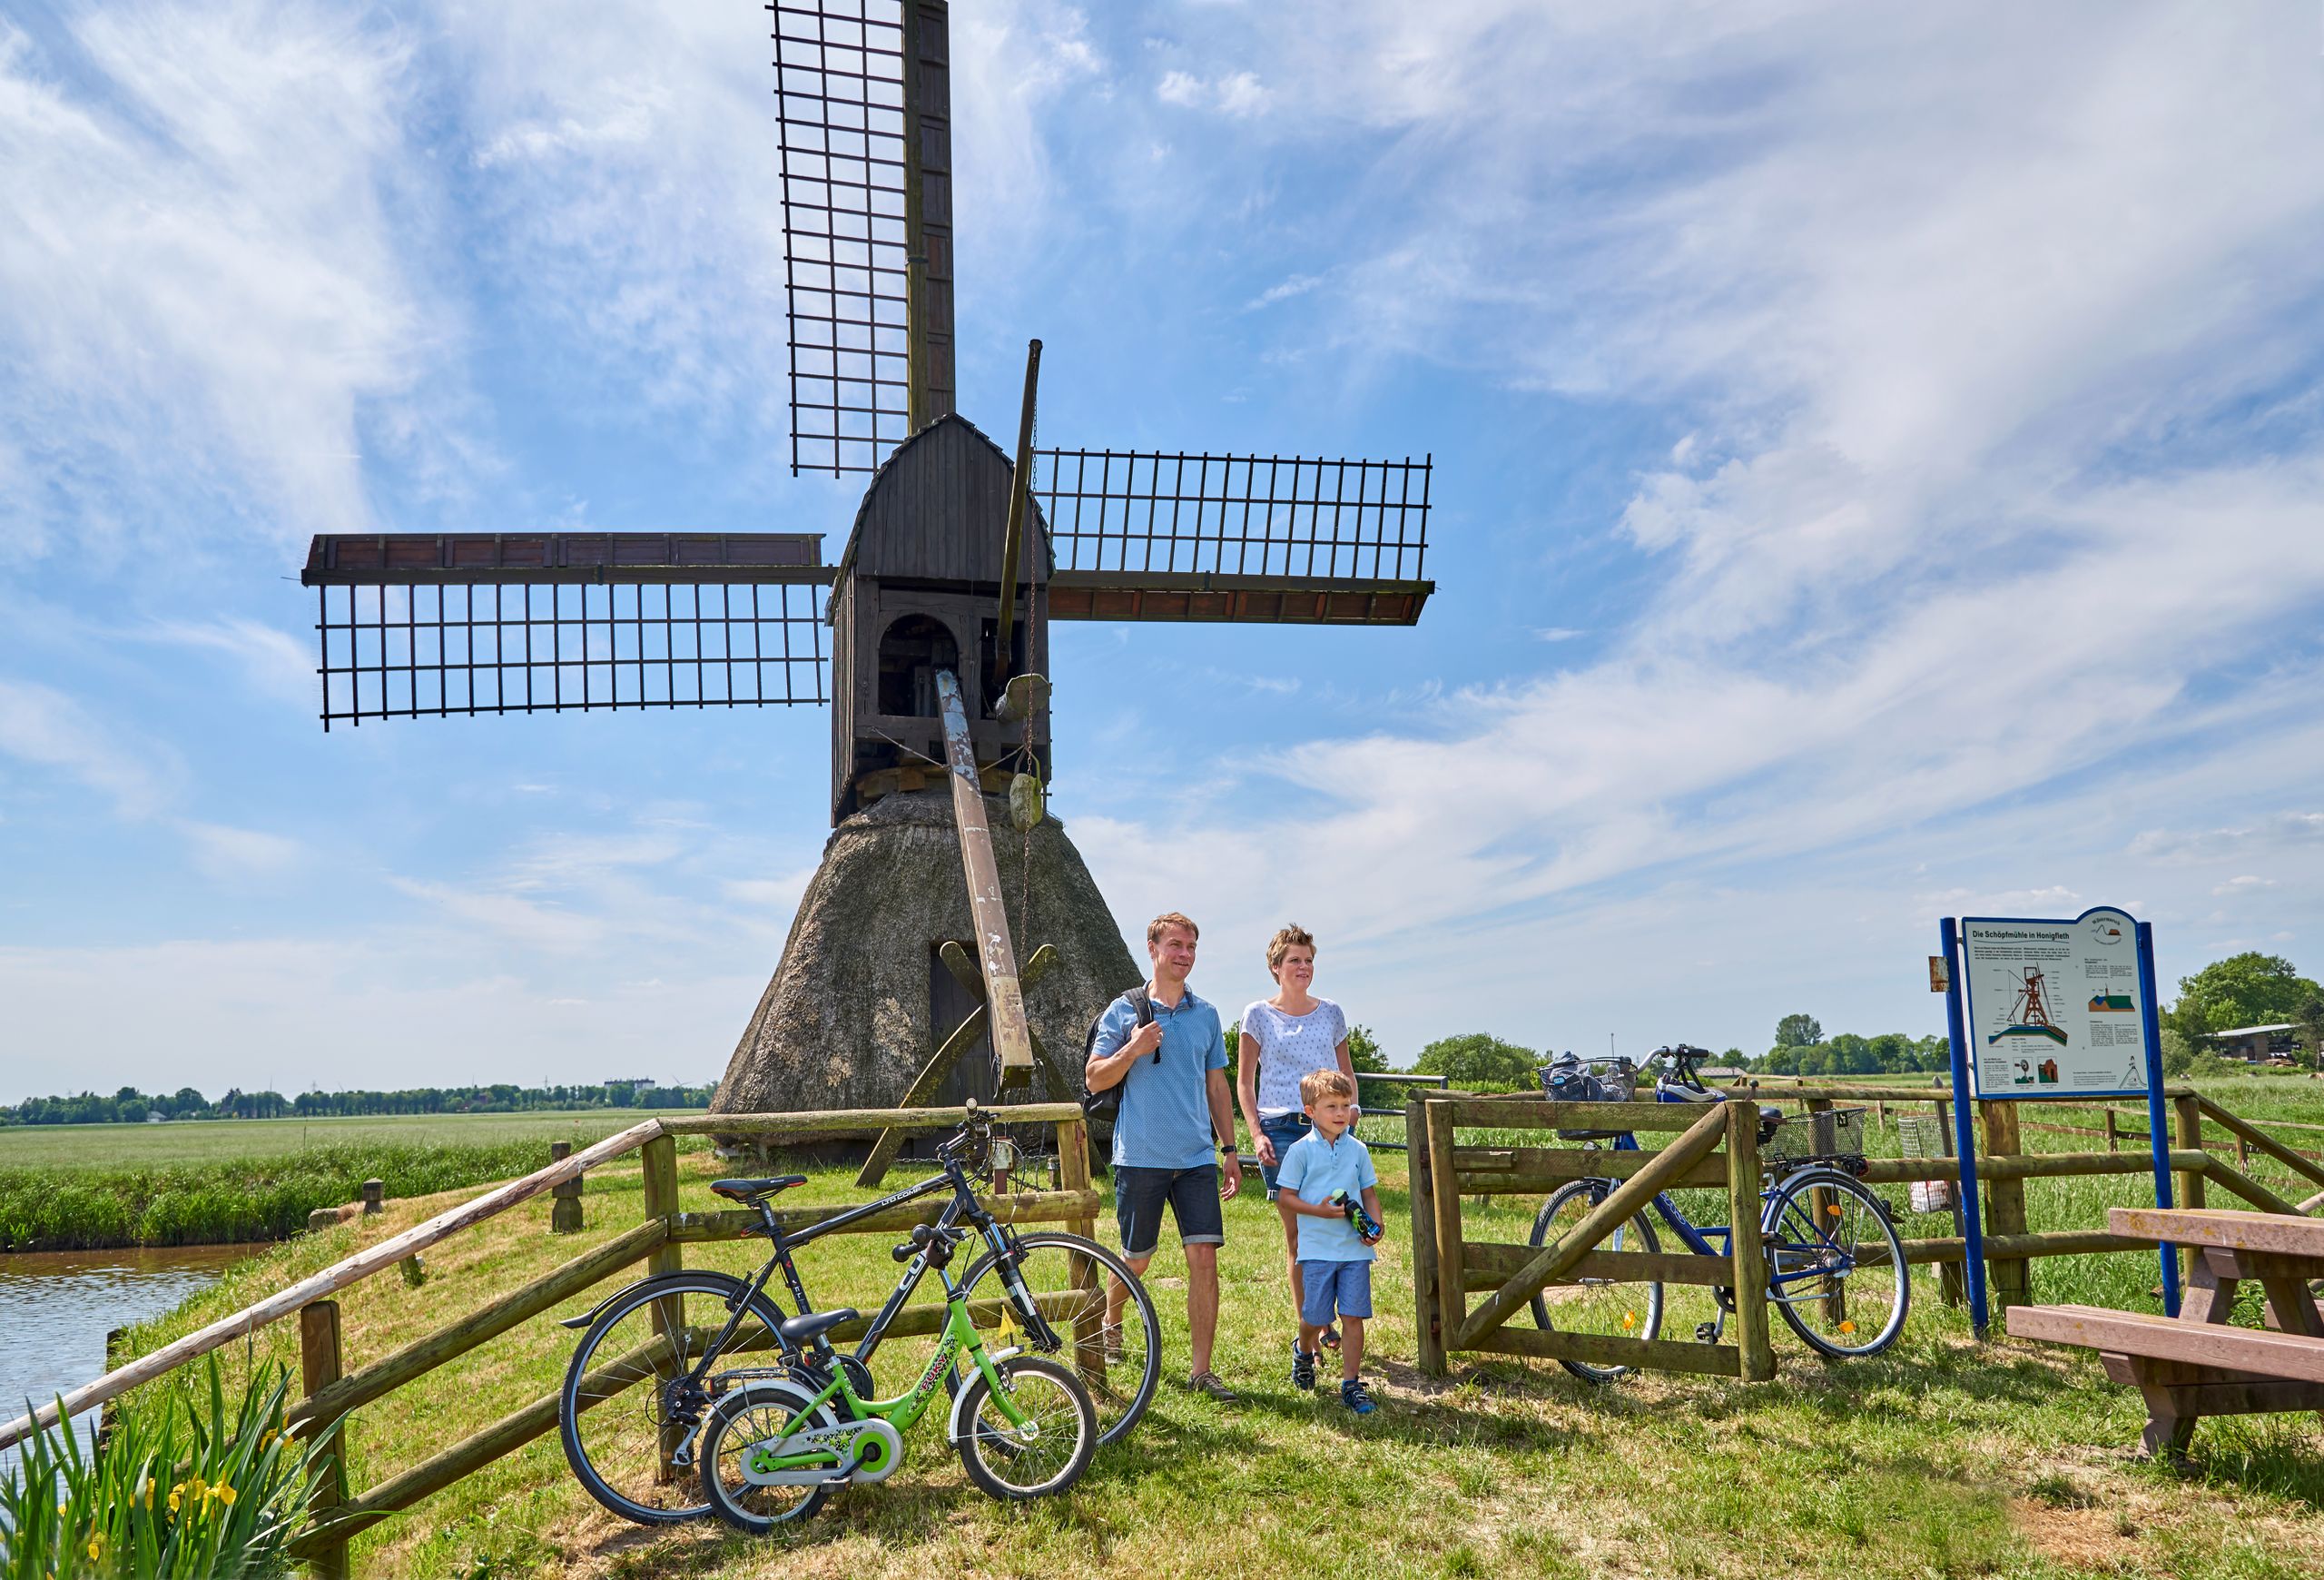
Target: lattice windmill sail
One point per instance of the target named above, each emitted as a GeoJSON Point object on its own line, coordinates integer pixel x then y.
{"type": "Point", "coordinates": [955, 564]}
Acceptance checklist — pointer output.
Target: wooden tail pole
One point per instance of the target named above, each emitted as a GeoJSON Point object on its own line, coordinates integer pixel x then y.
{"type": "Point", "coordinates": [1012, 547]}
{"type": "Point", "coordinates": [1003, 996]}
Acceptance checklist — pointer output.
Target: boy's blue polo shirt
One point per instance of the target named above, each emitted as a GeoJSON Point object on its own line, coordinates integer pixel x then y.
{"type": "Point", "coordinates": [1164, 1122]}
{"type": "Point", "coordinates": [1312, 1171]}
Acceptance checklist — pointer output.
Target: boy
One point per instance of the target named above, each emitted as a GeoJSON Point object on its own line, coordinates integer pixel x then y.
{"type": "Point", "coordinates": [1335, 1257]}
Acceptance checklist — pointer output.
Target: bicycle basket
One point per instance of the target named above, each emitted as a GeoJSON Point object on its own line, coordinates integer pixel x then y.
{"type": "Point", "coordinates": [1838, 1132]}
{"type": "Point", "coordinates": [1574, 1081]}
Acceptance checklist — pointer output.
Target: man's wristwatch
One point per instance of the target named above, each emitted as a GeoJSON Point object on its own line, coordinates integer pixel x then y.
{"type": "Point", "coordinates": [1227, 1149]}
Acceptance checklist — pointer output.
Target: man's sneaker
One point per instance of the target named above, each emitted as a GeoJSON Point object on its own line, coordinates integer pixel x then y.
{"type": "Point", "coordinates": [1356, 1397]}
{"type": "Point", "coordinates": [1303, 1368]}
{"type": "Point", "coordinates": [1206, 1384]}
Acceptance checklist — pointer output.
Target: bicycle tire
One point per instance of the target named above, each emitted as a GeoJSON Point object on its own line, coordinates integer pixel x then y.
{"type": "Point", "coordinates": [989, 1445]}
{"type": "Point", "coordinates": [1791, 1231]}
{"type": "Point", "coordinates": [736, 1502]}
{"type": "Point", "coordinates": [1117, 1409]}
{"type": "Point", "coordinates": [587, 1390]}
{"type": "Point", "coordinates": [1642, 1307]}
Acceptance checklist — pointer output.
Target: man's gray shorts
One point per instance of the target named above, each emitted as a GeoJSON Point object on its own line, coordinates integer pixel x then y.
{"type": "Point", "coordinates": [1193, 1196]}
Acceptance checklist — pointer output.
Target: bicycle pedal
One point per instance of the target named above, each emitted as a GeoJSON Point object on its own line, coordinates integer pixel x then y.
{"type": "Point", "coordinates": [1707, 1333]}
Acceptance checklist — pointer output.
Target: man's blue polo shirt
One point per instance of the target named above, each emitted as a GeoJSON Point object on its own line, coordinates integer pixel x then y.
{"type": "Point", "coordinates": [1164, 1122]}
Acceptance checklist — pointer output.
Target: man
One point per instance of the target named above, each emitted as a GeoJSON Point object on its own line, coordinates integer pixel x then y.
{"type": "Point", "coordinates": [1175, 1115]}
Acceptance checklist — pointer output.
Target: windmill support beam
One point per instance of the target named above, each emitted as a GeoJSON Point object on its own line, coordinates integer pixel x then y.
{"type": "Point", "coordinates": [1003, 994]}
{"type": "Point", "coordinates": [930, 1082]}
{"type": "Point", "coordinates": [1200, 596]}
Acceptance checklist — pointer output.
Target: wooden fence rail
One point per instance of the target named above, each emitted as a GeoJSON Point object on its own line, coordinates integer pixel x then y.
{"type": "Point", "coordinates": [332, 1393]}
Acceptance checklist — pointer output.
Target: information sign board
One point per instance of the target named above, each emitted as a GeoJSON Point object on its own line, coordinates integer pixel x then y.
{"type": "Point", "coordinates": [2054, 1008]}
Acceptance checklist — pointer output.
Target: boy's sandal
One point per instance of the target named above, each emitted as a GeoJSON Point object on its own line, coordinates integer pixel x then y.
{"type": "Point", "coordinates": [1331, 1337]}
{"type": "Point", "coordinates": [1207, 1383]}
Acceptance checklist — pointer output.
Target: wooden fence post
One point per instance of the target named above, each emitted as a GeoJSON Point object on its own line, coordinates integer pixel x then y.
{"type": "Point", "coordinates": [2114, 1131]}
{"type": "Point", "coordinates": [1073, 1174]}
{"type": "Point", "coordinates": [375, 1196]}
{"type": "Point", "coordinates": [1428, 1330]}
{"type": "Point", "coordinates": [1819, 1213]}
{"type": "Point", "coordinates": [2004, 1206]}
{"type": "Point", "coordinates": [320, 1363]}
{"type": "Point", "coordinates": [2189, 1111]}
{"type": "Point", "coordinates": [1750, 1257]}
{"type": "Point", "coordinates": [660, 1157]}
{"type": "Point", "coordinates": [1444, 1206]}
{"type": "Point", "coordinates": [565, 1198]}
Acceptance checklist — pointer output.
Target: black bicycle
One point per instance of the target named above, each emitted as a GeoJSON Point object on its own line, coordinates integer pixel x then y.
{"type": "Point", "coordinates": [660, 1354]}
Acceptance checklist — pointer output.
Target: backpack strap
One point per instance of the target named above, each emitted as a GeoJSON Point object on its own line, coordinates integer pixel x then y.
{"type": "Point", "coordinates": [1141, 1003]}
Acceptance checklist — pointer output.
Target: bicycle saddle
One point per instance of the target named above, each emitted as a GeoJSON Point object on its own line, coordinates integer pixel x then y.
{"type": "Point", "coordinates": [753, 1190]}
{"type": "Point", "coordinates": [813, 1325]}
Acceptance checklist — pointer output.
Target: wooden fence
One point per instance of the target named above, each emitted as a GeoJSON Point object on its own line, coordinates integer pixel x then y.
{"type": "Point", "coordinates": [1447, 1269]}
{"type": "Point", "coordinates": [332, 1393]}
{"type": "Point", "coordinates": [1717, 1145]}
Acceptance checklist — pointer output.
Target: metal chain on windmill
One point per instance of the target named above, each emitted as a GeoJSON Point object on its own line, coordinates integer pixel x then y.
{"type": "Point", "coordinates": [893, 973]}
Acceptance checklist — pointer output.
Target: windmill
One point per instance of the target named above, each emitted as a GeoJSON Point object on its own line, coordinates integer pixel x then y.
{"type": "Point", "coordinates": [937, 611]}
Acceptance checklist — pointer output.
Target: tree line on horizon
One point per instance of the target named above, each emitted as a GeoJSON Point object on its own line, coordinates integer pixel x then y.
{"type": "Point", "coordinates": [2248, 989]}
{"type": "Point", "coordinates": [131, 1106]}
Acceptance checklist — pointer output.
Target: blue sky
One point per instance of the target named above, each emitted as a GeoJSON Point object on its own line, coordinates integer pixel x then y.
{"type": "Point", "coordinates": [1878, 478]}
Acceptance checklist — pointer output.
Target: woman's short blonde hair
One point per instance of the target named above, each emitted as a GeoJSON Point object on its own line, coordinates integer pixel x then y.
{"type": "Point", "coordinates": [1284, 940]}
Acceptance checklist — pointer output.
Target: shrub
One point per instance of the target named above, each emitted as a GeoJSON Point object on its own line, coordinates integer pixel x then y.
{"type": "Point", "coordinates": [1479, 1061]}
{"type": "Point", "coordinates": [174, 1492]}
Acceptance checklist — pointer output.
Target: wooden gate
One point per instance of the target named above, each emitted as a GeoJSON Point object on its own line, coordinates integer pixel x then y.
{"type": "Point", "coordinates": [1715, 1145]}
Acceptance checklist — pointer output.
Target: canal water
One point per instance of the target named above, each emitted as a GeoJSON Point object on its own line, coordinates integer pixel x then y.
{"type": "Point", "coordinates": [56, 1308]}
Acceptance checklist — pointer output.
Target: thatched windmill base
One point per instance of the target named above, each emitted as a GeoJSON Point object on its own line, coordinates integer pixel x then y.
{"type": "Point", "coordinates": [861, 998]}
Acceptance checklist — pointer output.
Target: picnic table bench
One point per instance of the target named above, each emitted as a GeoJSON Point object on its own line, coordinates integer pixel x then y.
{"type": "Point", "coordinates": [2196, 1364]}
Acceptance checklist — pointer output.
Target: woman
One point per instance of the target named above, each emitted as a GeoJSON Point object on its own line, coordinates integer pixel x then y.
{"type": "Point", "coordinates": [1284, 1038]}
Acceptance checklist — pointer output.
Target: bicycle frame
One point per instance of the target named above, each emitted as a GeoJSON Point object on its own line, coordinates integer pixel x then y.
{"type": "Point", "coordinates": [1699, 1240]}
{"type": "Point", "coordinates": [963, 1206]}
{"type": "Point", "coordinates": [904, 1410]}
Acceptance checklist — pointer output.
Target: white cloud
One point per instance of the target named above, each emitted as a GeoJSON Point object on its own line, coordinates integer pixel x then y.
{"type": "Point", "coordinates": [1238, 96]}
{"type": "Point", "coordinates": [236, 855]}
{"type": "Point", "coordinates": [1284, 291]}
{"type": "Point", "coordinates": [2273, 832]}
{"type": "Point", "coordinates": [204, 242]}
{"type": "Point", "coordinates": [46, 728]}
{"type": "Point", "coordinates": [273, 661]}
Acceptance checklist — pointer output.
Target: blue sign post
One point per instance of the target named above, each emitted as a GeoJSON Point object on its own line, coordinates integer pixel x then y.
{"type": "Point", "coordinates": [2157, 1127]}
{"type": "Point", "coordinates": [2020, 1028]}
{"type": "Point", "coordinates": [1964, 1137]}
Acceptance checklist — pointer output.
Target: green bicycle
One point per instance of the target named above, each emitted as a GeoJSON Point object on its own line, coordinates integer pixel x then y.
{"type": "Point", "coordinates": [773, 1448]}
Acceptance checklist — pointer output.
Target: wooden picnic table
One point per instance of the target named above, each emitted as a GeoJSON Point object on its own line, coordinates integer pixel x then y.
{"type": "Point", "coordinates": [2197, 1363]}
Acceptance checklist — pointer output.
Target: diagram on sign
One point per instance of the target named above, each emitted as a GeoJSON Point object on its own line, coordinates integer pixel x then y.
{"type": "Point", "coordinates": [2053, 1006]}
{"type": "Point", "coordinates": [2029, 1015]}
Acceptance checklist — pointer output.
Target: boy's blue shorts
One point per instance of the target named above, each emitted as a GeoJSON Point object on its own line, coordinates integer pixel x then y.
{"type": "Point", "coordinates": [1343, 1289]}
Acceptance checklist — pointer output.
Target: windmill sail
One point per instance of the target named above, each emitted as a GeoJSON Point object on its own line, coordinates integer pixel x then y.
{"type": "Point", "coordinates": [1274, 539]}
{"type": "Point", "coordinates": [413, 623]}
{"type": "Point", "coordinates": [864, 109]}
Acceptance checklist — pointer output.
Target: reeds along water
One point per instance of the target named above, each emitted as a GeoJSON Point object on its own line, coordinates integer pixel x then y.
{"type": "Point", "coordinates": [234, 1200]}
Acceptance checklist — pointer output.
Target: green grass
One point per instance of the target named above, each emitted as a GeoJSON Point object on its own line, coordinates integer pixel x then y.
{"type": "Point", "coordinates": [1941, 1458]}
{"type": "Point", "coordinates": [230, 1201]}
{"type": "Point", "coordinates": [211, 1141]}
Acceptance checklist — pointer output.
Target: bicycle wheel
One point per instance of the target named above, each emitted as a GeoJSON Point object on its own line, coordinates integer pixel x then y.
{"type": "Point", "coordinates": [1070, 1277]}
{"type": "Point", "coordinates": [623, 1417]}
{"type": "Point", "coordinates": [1045, 1454]}
{"type": "Point", "coordinates": [749, 1418]}
{"type": "Point", "coordinates": [1834, 1268]}
{"type": "Point", "coordinates": [1617, 1309]}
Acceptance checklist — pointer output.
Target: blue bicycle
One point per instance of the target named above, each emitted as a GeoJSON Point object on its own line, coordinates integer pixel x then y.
{"type": "Point", "coordinates": [1834, 1268]}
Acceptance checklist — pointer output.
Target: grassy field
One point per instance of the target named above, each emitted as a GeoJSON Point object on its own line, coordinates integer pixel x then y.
{"type": "Point", "coordinates": [217, 1140]}
{"type": "Point", "coordinates": [1941, 1458]}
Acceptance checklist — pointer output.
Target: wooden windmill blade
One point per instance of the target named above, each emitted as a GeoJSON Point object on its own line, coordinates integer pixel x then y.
{"type": "Point", "coordinates": [864, 103]}
{"type": "Point", "coordinates": [1148, 535]}
{"type": "Point", "coordinates": [422, 623]}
